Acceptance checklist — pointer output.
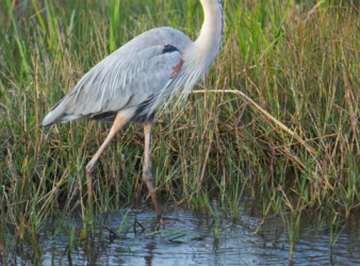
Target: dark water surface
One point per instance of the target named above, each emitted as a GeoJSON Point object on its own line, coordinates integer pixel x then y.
{"type": "Point", "coordinates": [187, 238]}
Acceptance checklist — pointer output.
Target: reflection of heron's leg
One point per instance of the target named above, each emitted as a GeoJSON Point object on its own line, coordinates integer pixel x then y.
{"type": "Point", "coordinates": [120, 120]}
{"type": "Point", "coordinates": [147, 175]}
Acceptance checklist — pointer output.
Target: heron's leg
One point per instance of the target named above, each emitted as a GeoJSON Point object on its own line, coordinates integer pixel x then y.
{"type": "Point", "coordinates": [120, 120]}
{"type": "Point", "coordinates": [147, 175]}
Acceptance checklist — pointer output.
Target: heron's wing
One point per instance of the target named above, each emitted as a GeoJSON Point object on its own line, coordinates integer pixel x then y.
{"type": "Point", "coordinates": [121, 81]}
{"type": "Point", "coordinates": [128, 77]}
{"type": "Point", "coordinates": [117, 82]}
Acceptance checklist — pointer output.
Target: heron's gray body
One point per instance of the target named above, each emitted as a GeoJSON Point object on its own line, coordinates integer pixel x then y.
{"type": "Point", "coordinates": [128, 78]}
{"type": "Point", "coordinates": [138, 77]}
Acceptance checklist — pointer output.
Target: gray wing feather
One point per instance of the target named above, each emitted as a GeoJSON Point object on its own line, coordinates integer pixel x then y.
{"type": "Point", "coordinates": [126, 78]}
{"type": "Point", "coordinates": [113, 85]}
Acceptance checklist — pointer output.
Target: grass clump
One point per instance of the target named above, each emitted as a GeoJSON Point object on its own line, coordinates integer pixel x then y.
{"type": "Point", "coordinates": [277, 117]}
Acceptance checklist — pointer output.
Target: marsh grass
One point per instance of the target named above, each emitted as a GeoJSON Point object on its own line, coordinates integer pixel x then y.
{"type": "Point", "coordinates": [277, 118]}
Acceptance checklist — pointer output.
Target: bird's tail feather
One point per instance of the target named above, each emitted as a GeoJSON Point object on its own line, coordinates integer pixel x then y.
{"type": "Point", "coordinates": [55, 115]}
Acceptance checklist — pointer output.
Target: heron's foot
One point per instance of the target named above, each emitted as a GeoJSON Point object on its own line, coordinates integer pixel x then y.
{"type": "Point", "coordinates": [148, 179]}
{"type": "Point", "coordinates": [160, 220]}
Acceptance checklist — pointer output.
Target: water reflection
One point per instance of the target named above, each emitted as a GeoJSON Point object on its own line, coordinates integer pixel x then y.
{"type": "Point", "coordinates": [187, 238]}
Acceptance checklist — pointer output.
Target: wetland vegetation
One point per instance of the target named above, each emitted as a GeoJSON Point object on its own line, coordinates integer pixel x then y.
{"type": "Point", "coordinates": [276, 119]}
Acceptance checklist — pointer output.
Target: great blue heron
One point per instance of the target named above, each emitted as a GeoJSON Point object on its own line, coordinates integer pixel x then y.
{"type": "Point", "coordinates": [132, 82]}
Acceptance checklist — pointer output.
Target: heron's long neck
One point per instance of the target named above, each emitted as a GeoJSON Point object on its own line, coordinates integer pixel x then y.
{"type": "Point", "coordinates": [208, 43]}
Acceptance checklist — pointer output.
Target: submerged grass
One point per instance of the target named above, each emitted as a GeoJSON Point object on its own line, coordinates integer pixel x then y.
{"type": "Point", "coordinates": [277, 118]}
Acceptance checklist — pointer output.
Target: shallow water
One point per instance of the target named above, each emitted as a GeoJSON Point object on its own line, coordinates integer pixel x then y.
{"type": "Point", "coordinates": [187, 238]}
